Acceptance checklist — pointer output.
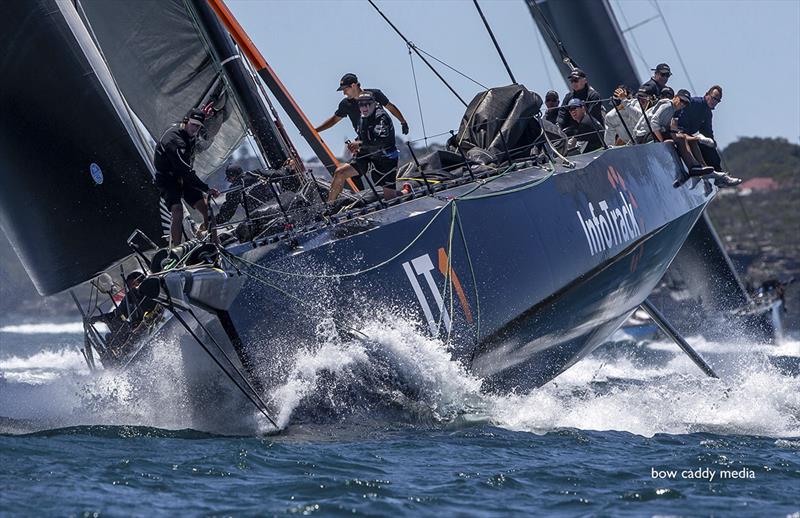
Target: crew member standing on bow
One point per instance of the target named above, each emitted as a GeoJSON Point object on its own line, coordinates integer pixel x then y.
{"type": "Point", "coordinates": [175, 177]}
{"type": "Point", "coordinates": [348, 107]}
{"type": "Point", "coordinates": [375, 147]}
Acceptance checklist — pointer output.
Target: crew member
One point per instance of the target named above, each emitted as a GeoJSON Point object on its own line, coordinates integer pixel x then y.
{"type": "Point", "coordinates": [621, 121]}
{"type": "Point", "coordinates": [580, 89]}
{"type": "Point", "coordinates": [348, 107]}
{"type": "Point", "coordinates": [251, 192]}
{"type": "Point", "coordinates": [175, 177]}
{"type": "Point", "coordinates": [551, 102]}
{"type": "Point", "coordinates": [375, 147]}
{"type": "Point", "coordinates": [135, 305]}
{"type": "Point", "coordinates": [655, 84]}
{"type": "Point", "coordinates": [582, 126]}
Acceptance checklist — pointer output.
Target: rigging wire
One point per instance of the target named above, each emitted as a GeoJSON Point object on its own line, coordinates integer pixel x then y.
{"type": "Point", "coordinates": [565, 57]}
{"type": "Point", "coordinates": [544, 61]}
{"type": "Point", "coordinates": [415, 49]}
{"type": "Point", "coordinates": [674, 45]}
{"type": "Point", "coordinates": [457, 71]}
{"type": "Point", "coordinates": [419, 102]}
{"type": "Point", "coordinates": [494, 40]}
{"type": "Point", "coordinates": [636, 46]}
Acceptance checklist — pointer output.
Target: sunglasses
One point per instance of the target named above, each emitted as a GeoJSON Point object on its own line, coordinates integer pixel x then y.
{"type": "Point", "coordinates": [573, 108]}
{"type": "Point", "coordinates": [574, 79]}
{"type": "Point", "coordinates": [717, 99]}
{"type": "Point", "coordinates": [664, 74]}
{"type": "Point", "coordinates": [365, 105]}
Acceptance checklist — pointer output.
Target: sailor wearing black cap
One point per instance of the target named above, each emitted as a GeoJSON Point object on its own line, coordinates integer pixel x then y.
{"type": "Point", "coordinates": [580, 89]}
{"type": "Point", "coordinates": [348, 107]}
{"type": "Point", "coordinates": [551, 102]}
{"type": "Point", "coordinates": [175, 177]}
{"type": "Point", "coordinates": [247, 189]}
{"type": "Point", "coordinates": [583, 126]}
{"type": "Point", "coordinates": [655, 84]}
{"type": "Point", "coordinates": [374, 150]}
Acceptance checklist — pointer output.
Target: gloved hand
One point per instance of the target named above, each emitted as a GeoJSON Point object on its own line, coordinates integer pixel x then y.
{"type": "Point", "coordinates": [404, 127]}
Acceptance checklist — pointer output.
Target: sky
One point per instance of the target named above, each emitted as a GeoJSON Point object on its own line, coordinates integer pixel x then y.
{"type": "Point", "coordinates": [751, 48]}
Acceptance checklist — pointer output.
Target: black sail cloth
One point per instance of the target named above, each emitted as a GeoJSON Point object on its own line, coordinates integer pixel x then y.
{"type": "Point", "coordinates": [74, 185]}
{"type": "Point", "coordinates": [163, 68]}
{"type": "Point", "coordinates": [499, 123]}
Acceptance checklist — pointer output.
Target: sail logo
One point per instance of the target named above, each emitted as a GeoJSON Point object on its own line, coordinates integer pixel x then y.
{"type": "Point", "coordinates": [610, 224]}
{"type": "Point", "coordinates": [96, 172]}
{"type": "Point", "coordinates": [423, 266]}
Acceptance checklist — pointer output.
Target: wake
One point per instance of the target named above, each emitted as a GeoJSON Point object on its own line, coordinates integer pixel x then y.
{"type": "Point", "coordinates": [401, 377]}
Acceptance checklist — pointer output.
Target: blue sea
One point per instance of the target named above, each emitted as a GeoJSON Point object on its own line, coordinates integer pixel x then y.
{"type": "Point", "coordinates": [394, 428]}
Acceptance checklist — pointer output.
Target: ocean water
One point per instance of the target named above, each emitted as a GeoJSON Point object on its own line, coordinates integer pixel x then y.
{"type": "Point", "coordinates": [393, 427]}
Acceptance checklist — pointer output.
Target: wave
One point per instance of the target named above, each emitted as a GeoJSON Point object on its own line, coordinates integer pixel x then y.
{"type": "Point", "coordinates": [44, 328]}
{"type": "Point", "coordinates": [402, 377]}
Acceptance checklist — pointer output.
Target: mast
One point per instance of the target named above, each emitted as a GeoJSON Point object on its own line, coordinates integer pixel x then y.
{"type": "Point", "coordinates": [267, 135]}
{"type": "Point", "coordinates": [274, 84]}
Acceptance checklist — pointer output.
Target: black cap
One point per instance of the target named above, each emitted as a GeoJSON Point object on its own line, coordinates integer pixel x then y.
{"type": "Point", "coordinates": [684, 95]}
{"type": "Point", "coordinates": [346, 80]}
{"type": "Point", "coordinates": [134, 275]}
{"type": "Point", "coordinates": [551, 94]}
{"type": "Point", "coordinates": [662, 67]}
{"type": "Point", "coordinates": [233, 171]}
{"type": "Point", "coordinates": [577, 72]}
{"type": "Point", "coordinates": [366, 97]}
{"type": "Point", "coordinates": [667, 93]}
{"type": "Point", "coordinates": [197, 116]}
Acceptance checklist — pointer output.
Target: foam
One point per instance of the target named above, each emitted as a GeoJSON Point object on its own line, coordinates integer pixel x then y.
{"type": "Point", "coordinates": [401, 376]}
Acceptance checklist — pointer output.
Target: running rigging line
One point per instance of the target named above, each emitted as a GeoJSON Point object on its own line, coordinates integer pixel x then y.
{"type": "Point", "coordinates": [415, 49]}
{"type": "Point", "coordinates": [419, 102]}
{"type": "Point", "coordinates": [494, 40]}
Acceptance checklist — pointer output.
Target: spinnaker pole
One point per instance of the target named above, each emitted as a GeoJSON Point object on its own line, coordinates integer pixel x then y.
{"type": "Point", "coordinates": [267, 74]}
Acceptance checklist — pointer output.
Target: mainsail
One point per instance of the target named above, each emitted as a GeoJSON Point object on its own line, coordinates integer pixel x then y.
{"type": "Point", "coordinates": [74, 184]}
{"type": "Point", "coordinates": [163, 68]}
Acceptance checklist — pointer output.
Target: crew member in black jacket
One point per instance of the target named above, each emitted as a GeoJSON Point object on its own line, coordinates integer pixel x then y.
{"type": "Point", "coordinates": [375, 147]}
{"type": "Point", "coordinates": [175, 177]}
{"type": "Point", "coordinates": [580, 89]}
{"type": "Point", "coordinates": [252, 193]}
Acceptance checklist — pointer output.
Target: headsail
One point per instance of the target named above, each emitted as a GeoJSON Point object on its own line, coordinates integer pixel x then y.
{"type": "Point", "coordinates": [163, 68]}
{"type": "Point", "coordinates": [74, 185]}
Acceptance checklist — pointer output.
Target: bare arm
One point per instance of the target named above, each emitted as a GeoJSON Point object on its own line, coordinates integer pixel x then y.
{"type": "Point", "coordinates": [395, 111]}
{"type": "Point", "coordinates": [329, 123]}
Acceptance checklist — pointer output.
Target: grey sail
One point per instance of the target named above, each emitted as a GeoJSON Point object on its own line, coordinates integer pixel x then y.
{"type": "Point", "coordinates": [701, 282]}
{"type": "Point", "coordinates": [73, 183]}
{"type": "Point", "coordinates": [163, 68]}
{"type": "Point", "coordinates": [590, 32]}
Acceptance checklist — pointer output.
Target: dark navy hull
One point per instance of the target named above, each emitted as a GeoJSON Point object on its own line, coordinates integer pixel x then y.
{"type": "Point", "coordinates": [542, 268]}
